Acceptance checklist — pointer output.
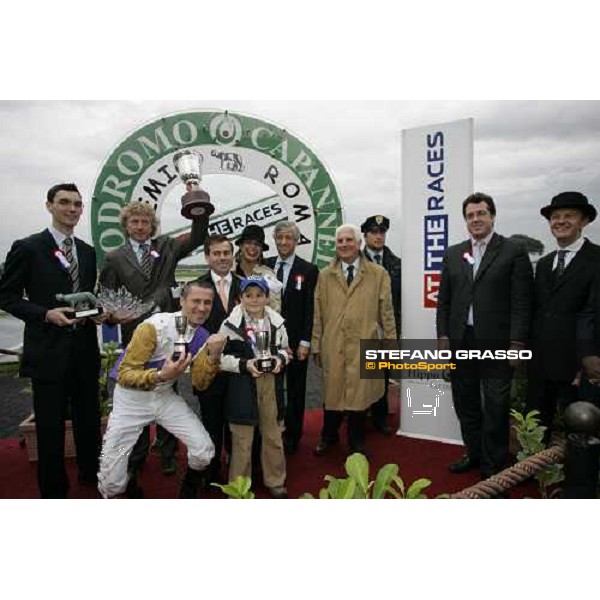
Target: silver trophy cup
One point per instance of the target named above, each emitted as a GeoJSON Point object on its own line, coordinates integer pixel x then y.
{"type": "Point", "coordinates": [265, 362]}
{"type": "Point", "coordinates": [196, 202]}
{"type": "Point", "coordinates": [181, 344]}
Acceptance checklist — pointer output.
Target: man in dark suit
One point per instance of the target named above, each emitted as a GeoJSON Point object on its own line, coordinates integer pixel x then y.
{"type": "Point", "coordinates": [299, 279]}
{"type": "Point", "coordinates": [564, 280]}
{"type": "Point", "coordinates": [218, 251]}
{"type": "Point", "coordinates": [60, 353]}
{"type": "Point", "coordinates": [374, 230]}
{"type": "Point", "coordinates": [484, 302]}
{"type": "Point", "coordinates": [145, 266]}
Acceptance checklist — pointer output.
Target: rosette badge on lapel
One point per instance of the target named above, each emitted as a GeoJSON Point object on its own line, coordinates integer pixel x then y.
{"type": "Point", "coordinates": [62, 259]}
{"type": "Point", "coordinates": [468, 258]}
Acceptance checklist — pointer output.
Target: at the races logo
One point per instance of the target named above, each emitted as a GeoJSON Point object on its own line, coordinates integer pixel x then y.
{"type": "Point", "coordinates": [140, 169]}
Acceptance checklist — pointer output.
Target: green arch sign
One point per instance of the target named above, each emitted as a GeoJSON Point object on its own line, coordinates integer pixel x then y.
{"type": "Point", "coordinates": [140, 169]}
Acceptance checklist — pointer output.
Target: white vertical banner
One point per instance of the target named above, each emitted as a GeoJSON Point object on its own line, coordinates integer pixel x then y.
{"type": "Point", "coordinates": [437, 175]}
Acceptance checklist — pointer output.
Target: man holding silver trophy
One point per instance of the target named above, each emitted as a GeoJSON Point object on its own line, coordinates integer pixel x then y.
{"type": "Point", "coordinates": [162, 348]}
{"type": "Point", "coordinates": [60, 351]}
{"type": "Point", "coordinates": [255, 355]}
{"type": "Point", "coordinates": [145, 266]}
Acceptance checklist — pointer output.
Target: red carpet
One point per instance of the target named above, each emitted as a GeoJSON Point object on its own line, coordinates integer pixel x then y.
{"type": "Point", "coordinates": [416, 458]}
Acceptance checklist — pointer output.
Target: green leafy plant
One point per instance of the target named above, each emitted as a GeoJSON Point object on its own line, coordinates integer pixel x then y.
{"type": "Point", "coordinates": [531, 438]}
{"type": "Point", "coordinates": [239, 488]}
{"type": "Point", "coordinates": [387, 483]}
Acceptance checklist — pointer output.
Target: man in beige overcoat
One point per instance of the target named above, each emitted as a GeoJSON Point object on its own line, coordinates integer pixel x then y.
{"type": "Point", "coordinates": [353, 301]}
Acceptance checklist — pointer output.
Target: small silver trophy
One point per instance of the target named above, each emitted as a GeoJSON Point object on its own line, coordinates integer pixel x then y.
{"type": "Point", "coordinates": [265, 361]}
{"type": "Point", "coordinates": [196, 202]}
{"type": "Point", "coordinates": [181, 343]}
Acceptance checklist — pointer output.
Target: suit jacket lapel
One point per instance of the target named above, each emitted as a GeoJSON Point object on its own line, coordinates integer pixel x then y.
{"type": "Point", "coordinates": [490, 254]}
{"type": "Point", "coordinates": [131, 258]}
{"type": "Point", "coordinates": [83, 263]}
{"type": "Point", "coordinates": [466, 266]}
{"type": "Point", "coordinates": [291, 276]}
{"type": "Point", "coordinates": [543, 273]}
{"type": "Point", "coordinates": [339, 276]}
{"type": "Point", "coordinates": [234, 292]}
{"type": "Point", "coordinates": [577, 264]}
{"type": "Point", "coordinates": [358, 276]}
{"type": "Point", "coordinates": [49, 246]}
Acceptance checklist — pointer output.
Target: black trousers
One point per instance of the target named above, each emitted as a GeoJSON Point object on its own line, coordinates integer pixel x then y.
{"type": "Point", "coordinates": [481, 393]}
{"type": "Point", "coordinates": [547, 396]}
{"type": "Point", "coordinates": [79, 389]}
{"type": "Point", "coordinates": [379, 410]}
{"type": "Point", "coordinates": [212, 409]}
{"type": "Point", "coordinates": [332, 419]}
{"type": "Point", "coordinates": [296, 401]}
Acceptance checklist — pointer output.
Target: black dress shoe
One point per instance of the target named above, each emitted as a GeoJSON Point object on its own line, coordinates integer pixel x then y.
{"type": "Point", "coordinates": [359, 450]}
{"type": "Point", "coordinates": [133, 490]}
{"type": "Point", "coordinates": [279, 493]}
{"type": "Point", "coordinates": [192, 481]}
{"type": "Point", "coordinates": [322, 447]}
{"type": "Point", "coordinates": [87, 479]}
{"type": "Point", "coordinates": [383, 428]}
{"type": "Point", "coordinates": [168, 465]}
{"type": "Point", "coordinates": [466, 463]}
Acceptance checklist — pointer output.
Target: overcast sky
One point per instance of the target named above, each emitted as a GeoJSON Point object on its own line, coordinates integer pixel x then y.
{"type": "Point", "coordinates": [525, 152]}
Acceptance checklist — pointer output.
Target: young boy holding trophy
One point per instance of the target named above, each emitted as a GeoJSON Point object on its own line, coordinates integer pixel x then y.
{"type": "Point", "coordinates": [255, 355]}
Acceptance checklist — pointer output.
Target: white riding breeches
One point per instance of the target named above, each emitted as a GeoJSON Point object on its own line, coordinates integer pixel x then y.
{"type": "Point", "coordinates": [132, 411]}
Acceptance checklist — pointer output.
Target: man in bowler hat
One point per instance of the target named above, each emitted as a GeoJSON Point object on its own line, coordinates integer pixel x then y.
{"type": "Point", "coordinates": [564, 280]}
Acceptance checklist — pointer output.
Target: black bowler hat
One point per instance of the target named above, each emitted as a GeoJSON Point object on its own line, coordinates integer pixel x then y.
{"type": "Point", "coordinates": [570, 200]}
{"type": "Point", "coordinates": [375, 222]}
{"type": "Point", "coordinates": [254, 233]}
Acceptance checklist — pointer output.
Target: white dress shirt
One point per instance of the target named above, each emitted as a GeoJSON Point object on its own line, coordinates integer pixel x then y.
{"type": "Point", "coordinates": [572, 250]}
{"type": "Point", "coordinates": [479, 247]}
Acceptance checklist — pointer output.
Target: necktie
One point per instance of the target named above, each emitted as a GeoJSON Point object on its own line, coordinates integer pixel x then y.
{"type": "Point", "coordinates": [560, 264]}
{"type": "Point", "coordinates": [280, 272]}
{"type": "Point", "coordinates": [73, 267]}
{"type": "Point", "coordinates": [145, 259]}
{"type": "Point", "coordinates": [222, 293]}
{"type": "Point", "coordinates": [477, 256]}
{"type": "Point", "coordinates": [377, 258]}
{"type": "Point", "coordinates": [350, 275]}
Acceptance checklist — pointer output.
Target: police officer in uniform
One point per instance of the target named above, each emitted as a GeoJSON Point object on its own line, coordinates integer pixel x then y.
{"type": "Point", "coordinates": [374, 230]}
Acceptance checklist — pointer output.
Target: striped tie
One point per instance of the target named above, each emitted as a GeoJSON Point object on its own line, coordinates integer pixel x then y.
{"type": "Point", "coordinates": [560, 263]}
{"type": "Point", "coordinates": [73, 266]}
{"type": "Point", "coordinates": [145, 259]}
